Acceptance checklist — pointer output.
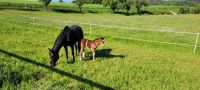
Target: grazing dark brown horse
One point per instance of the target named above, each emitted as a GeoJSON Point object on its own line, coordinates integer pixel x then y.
{"type": "Point", "coordinates": [69, 36]}
{"type": "Point", "coordinates": [92, 44]}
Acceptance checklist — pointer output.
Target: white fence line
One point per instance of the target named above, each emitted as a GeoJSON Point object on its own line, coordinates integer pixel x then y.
{"type": "Point", "coordinates": [126, 37]}
{"type": "Point", "coordinates": [155, 41]}
{"type": "Point", "coordinates": [195, 46]}
{"type": "Point", "coordinates": [138, 29]}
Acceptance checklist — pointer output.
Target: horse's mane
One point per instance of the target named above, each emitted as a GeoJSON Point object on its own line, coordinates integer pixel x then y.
{"type": "Point", "coordinates": [60, 38]}
{"type": "Point", "coordinates": [61, 35]}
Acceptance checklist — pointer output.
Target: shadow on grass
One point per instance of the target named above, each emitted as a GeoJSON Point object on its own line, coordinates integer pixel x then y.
{"type": "Point", "coordinates": [73, 11]}
{"type": "Point", "coordinates": [103, 53]}
{"type": "Point", "coordinates": [124, 13]}
{"type": "Point", "coordinates": [146, 12]}
{"type": "Point", "coordinates": [65, 11]}
{"type": "Point", "coordinates": [83, 80]}
{"type": "Point", "coordinates": [106, 54]}
{"type": "Point", "coordinates": [20, 9]}
{"type": "Point", "coordinates": [93, 12]}
{"type": "Point", "coordinates": [2, 8]}
{"type": "Point", "coordinates": [26, 9]}
{"type": "Point", "coordinates": [143, 12]}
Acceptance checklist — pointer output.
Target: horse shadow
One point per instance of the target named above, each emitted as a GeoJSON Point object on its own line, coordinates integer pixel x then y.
{"type": "Point", "coordinates": [58, 71]}
{"type": "Point", "coordinates": [104, 53]}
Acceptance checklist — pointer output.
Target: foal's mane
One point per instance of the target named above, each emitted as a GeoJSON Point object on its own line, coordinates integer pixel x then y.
{"type": "Point", "coordinates": [99, 38]}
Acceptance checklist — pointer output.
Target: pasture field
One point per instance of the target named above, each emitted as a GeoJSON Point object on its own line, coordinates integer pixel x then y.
{"type": "Point", "coordinates": [122, 64]}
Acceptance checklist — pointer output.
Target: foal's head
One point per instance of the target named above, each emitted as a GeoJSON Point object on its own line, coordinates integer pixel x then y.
{"type": "Point", "coordinates": [53, 57]}
{"type": "Point", "coordinates": [100, 41]}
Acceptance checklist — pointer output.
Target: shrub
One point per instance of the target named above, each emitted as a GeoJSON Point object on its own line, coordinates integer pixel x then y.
{"type": "Point", "coordinates": [185, 10]}
{"type": "Point", "coordinates": [196, 10]}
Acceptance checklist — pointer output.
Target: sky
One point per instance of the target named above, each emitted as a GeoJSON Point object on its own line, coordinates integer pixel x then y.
{"type": "Point", "coordinates": [63, 0]}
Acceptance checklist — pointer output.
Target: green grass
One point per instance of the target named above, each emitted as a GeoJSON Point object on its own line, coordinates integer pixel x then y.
{"type": "Point", "coordinates": [124, 64]}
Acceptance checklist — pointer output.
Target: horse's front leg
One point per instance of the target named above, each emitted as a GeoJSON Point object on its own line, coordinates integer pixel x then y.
{"type": "Point", "coordinates": [66, 51]}
{"type": "Point", "coordinates": [72, 48]}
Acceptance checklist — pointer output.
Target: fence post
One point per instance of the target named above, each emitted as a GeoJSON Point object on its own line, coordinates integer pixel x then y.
{"type": "Point", "coordinates": [195, 46]}
{"type": "Point", "coordinates": [90, 30]}
{"type": "Point", "coordinates": [33, 6]}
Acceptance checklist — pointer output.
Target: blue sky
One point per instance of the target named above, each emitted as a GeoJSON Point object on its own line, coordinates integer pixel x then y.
{"type": "Point", "coordinates": [63, 0]}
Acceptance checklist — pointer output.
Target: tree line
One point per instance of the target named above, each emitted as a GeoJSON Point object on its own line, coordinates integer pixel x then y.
{"type": "Point", "coordinates": [127, 4]}
{"type": "Point", "coordinates": [112, 4]}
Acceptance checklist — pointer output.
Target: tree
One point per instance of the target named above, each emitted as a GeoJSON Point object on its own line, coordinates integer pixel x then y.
{"type": "Point", "coordinates": [60, 1]}
{"type": "Point", "coordinates": [95, 1]}
{"type": "Point", "coordinates": [127, 5]}
{"type": "Point", "coordinates": [139, 4]}
{"type": "Point", "coordinates": [80, 3]}
{"type": "Point", "coordinates": [45, 3]}
{"type": "Point", "coordinates": [111, 3]}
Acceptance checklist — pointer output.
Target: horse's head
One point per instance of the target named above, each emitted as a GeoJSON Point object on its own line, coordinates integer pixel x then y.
{"type": "Point", "coordinates": [53, 57]}
{"type": "Point", "coordinates": [101, 41]}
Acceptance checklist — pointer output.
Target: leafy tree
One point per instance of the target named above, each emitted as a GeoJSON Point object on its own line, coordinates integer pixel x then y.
{"type": "Point", "coordinates": [60, 1]}
{"type": "Point", "coordinates": [80, 3]}
{"type": "Point", "coordinates": [139, 4]}
{"type": "Point", "coordinates": [111, 3]}
{"type": "Point", "coordinates": [128, 4]}
{"type": "Point", "coordinates": [95, 1]}
{"type": "Point", "coordinates": [45, 3]}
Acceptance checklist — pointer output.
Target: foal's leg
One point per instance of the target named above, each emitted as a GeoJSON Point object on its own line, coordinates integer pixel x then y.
{"type": "Point", "coordinates": [72, 48]}
{"type": "Point", "coordinates": [93, 53]}
{"type": "Point", "coordinates": [66, 51]}
{"type": "Point", "coordinates": [81, 53]}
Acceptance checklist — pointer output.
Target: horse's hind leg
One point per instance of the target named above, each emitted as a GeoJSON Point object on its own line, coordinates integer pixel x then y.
{"type": "Point", "coordinates": [79, 47]}
{"type": "Point", "coordinates": [72, 48]}
{"type": "Point", "coordinates": [66, 51]}
{"type": "Point", "coordinates": [76, 47]}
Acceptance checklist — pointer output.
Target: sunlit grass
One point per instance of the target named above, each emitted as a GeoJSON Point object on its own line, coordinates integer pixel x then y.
{"type": "Point", "coordinates": [125, 64]}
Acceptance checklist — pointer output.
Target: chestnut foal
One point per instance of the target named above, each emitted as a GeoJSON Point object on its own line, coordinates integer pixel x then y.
{"type": "Point", "coordinates": [92, 44]}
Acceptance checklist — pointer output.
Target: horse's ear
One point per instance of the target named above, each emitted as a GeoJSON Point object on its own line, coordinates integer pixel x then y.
{"type": "Point", "coordinates": [50, 50]}
{"type": "Point", "coordinates": [66, 27]}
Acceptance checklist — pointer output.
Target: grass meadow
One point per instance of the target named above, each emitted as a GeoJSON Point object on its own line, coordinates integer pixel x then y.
{"type": "Point", "coordinates": [122, 64]}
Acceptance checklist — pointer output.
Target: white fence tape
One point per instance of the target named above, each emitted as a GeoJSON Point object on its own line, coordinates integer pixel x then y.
{"type": "Point", "coordinates": [195, 46]}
